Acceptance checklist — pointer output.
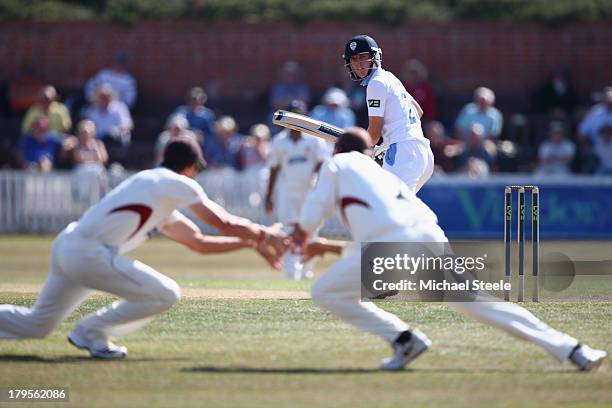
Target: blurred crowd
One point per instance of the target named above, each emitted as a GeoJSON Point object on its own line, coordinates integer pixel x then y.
{"type": "Point", "coordinates": [560, 133]}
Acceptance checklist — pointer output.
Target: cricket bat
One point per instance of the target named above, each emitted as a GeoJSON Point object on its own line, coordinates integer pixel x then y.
{"type": "Point", "coordinates": [306, 124]}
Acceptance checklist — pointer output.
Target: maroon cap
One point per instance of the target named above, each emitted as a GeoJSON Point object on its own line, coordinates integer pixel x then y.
{"type": "Point", "coordinates": [183, 150]}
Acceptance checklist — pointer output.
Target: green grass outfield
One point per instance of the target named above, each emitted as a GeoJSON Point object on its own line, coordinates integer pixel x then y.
{"type": "Point", "coordinates": [243, 336]}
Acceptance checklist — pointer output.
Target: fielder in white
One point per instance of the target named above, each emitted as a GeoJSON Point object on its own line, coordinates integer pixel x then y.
{"type": "Point", "coordinates": [294, 161]}
{"type": "Point", "coordinates": [377, 207]}
{"type": "Point", "coordinates": [88, 254]}
{"type": "Point", "coordinates": [393, 114]}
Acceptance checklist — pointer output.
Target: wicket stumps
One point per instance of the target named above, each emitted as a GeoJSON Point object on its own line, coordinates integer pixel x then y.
{"type": "Point", "coordinates": [535, 239]}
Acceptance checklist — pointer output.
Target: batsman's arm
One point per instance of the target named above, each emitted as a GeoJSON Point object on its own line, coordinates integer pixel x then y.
{"type": "Point", "coordinates": [375, 128]}
{"type": "Point", "coordinates": [417, 107]}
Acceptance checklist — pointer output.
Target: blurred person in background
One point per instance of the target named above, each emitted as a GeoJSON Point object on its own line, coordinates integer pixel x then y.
{"type": "Point", "coordinates": [289, 87]}
{"type": "Point", "coordinates": [356, 95]}
{"type": "Point", "coordinates": [335, 109]}
{"type": "Point", "coordinates": [176, 126]}
{"type": "Point", "coordinates": [597, 117]}
{"type": "Point", "coordinates": [23, 89]}
{"type": "Point", "coordinates": [201, 119]}
{"type": "Point", "coordinates": [88, 157]}
{"type": "Point", "coordinates": [224, 151]}
{"type": "Point", "coordinates": [294, 161]}
{"type": "Point", "coordinates": [481, 111]}
{"type": "Point", "coordinates": [416, 81]}
{"type": "Point", "coordinates": [477, 148]}
{"type": "Point", "coordinates": [444, 148]}
{"type": "Point", "coordinates": [557, 96]}
{"type": "Point", "coordinates": [39, 149]}
{"type": "Point", "coordinates": [603, 150]}
{"type": "Point", "coordinates": [589, 133]}
{"type": "Point", "coordinates": [255, 148]}
{"type": "Point", "coordinates": [113, 122]}
{"type": "Point", "coordinates": [556, 153]}
{"type": "Point", "coordinates": [118, 77]}
{"type": "Point", "coordinates": [49, 106]}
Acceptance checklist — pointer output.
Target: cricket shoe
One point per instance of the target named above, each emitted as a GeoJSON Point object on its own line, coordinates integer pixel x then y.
{"type": "Point", "coordinates": [404, 351]}
{"type": "Point", "coordinates": [106, 351]}
{"type": "Point", "coordinates": [586, 358]}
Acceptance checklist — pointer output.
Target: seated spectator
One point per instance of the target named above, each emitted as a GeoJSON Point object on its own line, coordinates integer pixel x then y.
{"type": "Point", "coordinates": [289, 87]}
{"type": "Point", "coordinates": [557, 96]}
{"type": "Point", "coordinates": [88, 157]}
{"type": "Point", "coordinates": [224, 151]}
{"type": "Point", "coordinates": [417, 84]}
{"type": "Point", "coordinates": [48, 105]}
{"type": "Point", "coordinates": [177, 126]}
{"type": "Point", "coordinates": [39, 148]}
{"type": "Point", "coordinates": [255, 148]}
{"type": "Point", "coordinates": [597, 117]}
{"type": "Point", "coordinates": [85, 150]}
{"type": "Point", "coordinates": [334, 109]}
{"type": "Point", "coordinates": [444, 148]}
{"type": "Point", "coordinates": [477, 148]}
{"type": "Point", "coordinates": [480, 111]}
{"type": "Point", "coordinates": [23, 89]}
{"type": "Point", "coordinates": [556, 153]}
{"type": "Point", "coordinates": [603, 150]}
{"type": "Point", "coordinates": [113, 122]}
{"type": "Point", "coordinates": [118, 77]}
{"type": "Point", "coordinates": [200, 118]}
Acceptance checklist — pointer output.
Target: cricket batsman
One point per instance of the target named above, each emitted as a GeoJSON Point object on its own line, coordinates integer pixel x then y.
{"type": "Point", "coordinates": [377, 207]}
{"type": "Point", "coordinates": [393, 114]}
{"type": "Point", "coordinates": [88, 254]}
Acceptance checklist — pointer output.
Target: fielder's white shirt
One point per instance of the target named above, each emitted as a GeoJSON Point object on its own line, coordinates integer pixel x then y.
{"type": "Point", "coordinates": [387, 98]}
{"type": "Point", "coordinates": [297, 161]}
{"type": "Point", "coordinates": [369, 200]}
{"type": "Point", "coordinates": [127, 215]}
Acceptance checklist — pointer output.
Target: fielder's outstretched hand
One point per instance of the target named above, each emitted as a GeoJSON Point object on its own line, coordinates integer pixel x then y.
{"type": "Point", "coordinates": [319, 247]}
{"type": "Point", "coordinates": [268, 253]}
{"type": "Point", "coordinates": [276, 238]}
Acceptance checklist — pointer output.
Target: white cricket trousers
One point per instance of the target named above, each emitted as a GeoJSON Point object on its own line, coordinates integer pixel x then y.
{"type": "Point", "coordinates": [288, 208]}
{"type": "Point", "coordinates": [339, 292]}
{"type": "Point", "coordinates": [411, 160]}
{"type": "Point", "coordinates": [77, 267]}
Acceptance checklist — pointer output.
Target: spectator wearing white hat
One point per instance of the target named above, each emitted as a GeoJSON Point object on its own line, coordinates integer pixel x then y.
{"type": "Point", "coordinates": [334, 109]}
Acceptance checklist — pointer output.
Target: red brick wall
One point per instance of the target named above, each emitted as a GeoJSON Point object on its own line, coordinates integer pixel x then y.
{"type": "Point", "coordinates": [168, 57]}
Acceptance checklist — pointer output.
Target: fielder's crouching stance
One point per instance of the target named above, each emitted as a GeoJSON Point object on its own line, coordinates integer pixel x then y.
{"type": "Point", "coordinates": [87, 255]}
{"type": "Point", "coordinates": [377, 207]}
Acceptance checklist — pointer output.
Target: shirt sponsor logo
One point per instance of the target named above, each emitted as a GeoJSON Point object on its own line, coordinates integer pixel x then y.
{"type": "Point", "coordinates": [374, 103]}
{"type": "Point", "coordinates": [297, 160]}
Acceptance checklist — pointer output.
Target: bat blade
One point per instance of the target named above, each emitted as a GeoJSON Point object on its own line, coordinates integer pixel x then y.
{"type": "Point", "coordinates": [306, 124]}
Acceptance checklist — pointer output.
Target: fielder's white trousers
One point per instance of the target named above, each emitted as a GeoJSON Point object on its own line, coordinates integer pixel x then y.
{"type": "Point", "coordinates": [339, 292]}
{"type": "Point", "coordinates": [288, 208]}
{"type": "Point", "coordinates": [77, 267]}
{"type": "Point", "coordinates": [410, 160]}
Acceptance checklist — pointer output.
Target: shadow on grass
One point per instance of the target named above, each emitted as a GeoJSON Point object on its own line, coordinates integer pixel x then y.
{"type": "Point", "coordinates": [69, 359]}
{"type": "Point", "coordinates": [279, 370]}
{"type": "Point", "coordinates": [311, 370]}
